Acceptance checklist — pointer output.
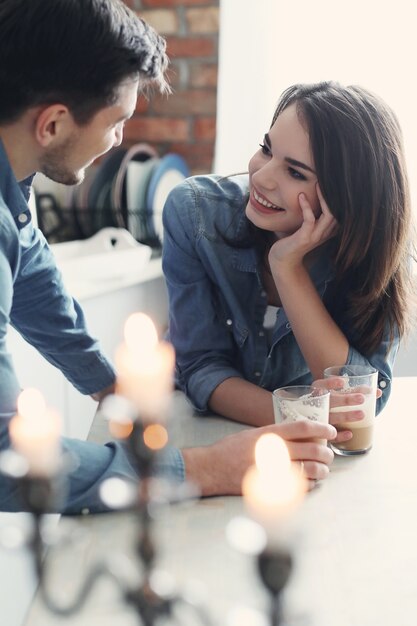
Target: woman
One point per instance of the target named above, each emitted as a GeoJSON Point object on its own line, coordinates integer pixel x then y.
{"type": "Point", "coordinates": [300, 265]}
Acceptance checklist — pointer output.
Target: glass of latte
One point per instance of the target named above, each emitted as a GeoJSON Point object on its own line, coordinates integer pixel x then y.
{"type": "Point", "coordinates": [357, 379]}
{"type": "Point", "coordinates": [301, 402]}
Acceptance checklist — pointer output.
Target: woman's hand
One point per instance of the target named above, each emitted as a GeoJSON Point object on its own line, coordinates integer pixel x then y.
{"type": "Point", "coordinates": [312, 233]}
{"type": "Point", "coordinates": [340, 399]}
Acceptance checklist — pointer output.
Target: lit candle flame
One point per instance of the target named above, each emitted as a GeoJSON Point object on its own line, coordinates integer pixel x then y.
{"type": "Point", "coordinates": [35, 433]}
{"type": "Point", "coordinates": [31, 404]}
{"type": "Point", "coordinates": [145, 368]}
{"type": "Point", "coordinates": [271, 455]}
{"type": "Point", "coordinates": [273, 488]}
{"type": "Point", "coordinates": [140, 334]}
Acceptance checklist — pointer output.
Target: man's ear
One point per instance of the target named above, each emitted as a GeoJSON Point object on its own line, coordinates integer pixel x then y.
{"type": "Point", "coordinates": [53, 122]}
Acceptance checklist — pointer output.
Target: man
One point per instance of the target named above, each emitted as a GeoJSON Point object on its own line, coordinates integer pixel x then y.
{"type": "Point", "coordinates": [70, 71]}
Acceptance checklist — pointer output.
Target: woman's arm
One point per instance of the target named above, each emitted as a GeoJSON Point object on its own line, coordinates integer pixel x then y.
{"type": "Point", "coordinates": [319, 338]}
{"type": "Point", "coordinates": [243, 401]}
{"type": "Point", "coordinates": [204, 345]}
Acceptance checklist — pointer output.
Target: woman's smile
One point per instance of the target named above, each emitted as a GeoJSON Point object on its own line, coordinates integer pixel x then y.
{"type": "Point", "coordinates": [261, 204]}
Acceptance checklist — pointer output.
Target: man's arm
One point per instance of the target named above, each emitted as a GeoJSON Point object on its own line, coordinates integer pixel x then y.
{"type": "Point", "coordinates": [52, 321]}
{"type": "Point", "coordinates": [100, 395]}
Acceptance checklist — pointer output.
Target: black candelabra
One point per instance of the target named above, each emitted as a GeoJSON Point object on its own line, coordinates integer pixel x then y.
{"type": "Point", "coordinates": [275, 568]}
{"type": "Point", "coordinates": [151, 604]}
{"type": "Point", "coordinates": [41, 495]}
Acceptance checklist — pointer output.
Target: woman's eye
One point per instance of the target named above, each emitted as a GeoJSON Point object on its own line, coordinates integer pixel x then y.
{"type": "Point", "coordinates": [265, 150]}
{"type": "Point", "coordinates": [295, 174]}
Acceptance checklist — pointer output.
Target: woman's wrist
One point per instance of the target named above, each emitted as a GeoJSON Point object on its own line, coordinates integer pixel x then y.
{"type": "Point", "coordinates": [288, 272]}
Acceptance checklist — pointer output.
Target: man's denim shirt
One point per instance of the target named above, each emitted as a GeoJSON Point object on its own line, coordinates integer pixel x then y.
{"type": "Point", "coordinates": [33, 299]}
{"type": "Point", "coordinates": [218, 303]}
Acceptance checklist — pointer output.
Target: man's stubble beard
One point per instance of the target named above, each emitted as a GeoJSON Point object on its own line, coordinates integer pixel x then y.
{"type": "Point", "coordinates": [54, 165]}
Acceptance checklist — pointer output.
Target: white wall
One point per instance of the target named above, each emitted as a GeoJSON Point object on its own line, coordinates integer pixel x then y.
{"type": "Point", "coordinates": [267, 45]}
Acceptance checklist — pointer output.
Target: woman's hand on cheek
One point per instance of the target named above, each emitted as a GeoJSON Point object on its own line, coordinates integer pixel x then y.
{"type": "Point", "coordinates": [312, 233]}
{"type": "Point", "coordinates": [321, 228]}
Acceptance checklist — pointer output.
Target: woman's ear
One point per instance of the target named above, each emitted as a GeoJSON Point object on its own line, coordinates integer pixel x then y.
{"type": "Point", "coordinates": [53, 122]}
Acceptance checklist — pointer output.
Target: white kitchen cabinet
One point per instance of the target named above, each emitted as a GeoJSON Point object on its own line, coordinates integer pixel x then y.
{"type": "Point", "coordinates": [107, 304]}
{"type": "Point", "coordinates": [105, 314]}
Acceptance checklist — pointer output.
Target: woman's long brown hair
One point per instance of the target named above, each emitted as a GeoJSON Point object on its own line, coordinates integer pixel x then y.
{"type": "Point", "coordinates": [358, 154]}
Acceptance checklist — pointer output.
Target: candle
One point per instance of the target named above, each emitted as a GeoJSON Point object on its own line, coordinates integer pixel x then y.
{"type": "Point", "coordinates": [145, 368]}
{"type": "Point", "coordinates": [35, 434]}
{"type": "Point", "coordinates": [274, 487]}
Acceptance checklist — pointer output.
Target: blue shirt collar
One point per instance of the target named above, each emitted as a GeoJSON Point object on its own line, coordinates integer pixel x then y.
{"type": "Point", "coordinates": [15, 195]}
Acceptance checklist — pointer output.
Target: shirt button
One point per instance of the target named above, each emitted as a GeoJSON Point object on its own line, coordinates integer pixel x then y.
{"type": "Point", "coordinates": [261, 333]}
{"type": "Point", "coordinates": [23, 218]}
{"type": "Point", "coordinates": [263, 294]}
{"type": "Point", "coordinates": [85, 511]}
{"type": "Point", "coordinates": [229, 322]}
{"type": "Point", "coordinates": [288, 325]}
{"type": "Point", "coordinates": [382, 384]}
{"type": "Point", "coordinates": [257, 374]}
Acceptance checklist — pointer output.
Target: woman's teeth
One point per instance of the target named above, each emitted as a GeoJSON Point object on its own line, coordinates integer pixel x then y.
{"type": "Point", "coordinates": [264, 202]}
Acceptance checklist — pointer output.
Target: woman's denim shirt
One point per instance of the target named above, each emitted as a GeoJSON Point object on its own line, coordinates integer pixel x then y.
{"type": "Point", "coordinates": [217, 301]}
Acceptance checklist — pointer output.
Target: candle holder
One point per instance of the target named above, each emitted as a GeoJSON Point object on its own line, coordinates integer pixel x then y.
{"type": "Point", "coordinates": [274, 562]}
{"type": "Point", "coordinates": [151, 601]}
{"type": "Point", "coordinates": [274, 566]}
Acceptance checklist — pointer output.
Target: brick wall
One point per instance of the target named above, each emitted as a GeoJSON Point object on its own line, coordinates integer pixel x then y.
{"type": "Point", "coordinates": [185, 121]}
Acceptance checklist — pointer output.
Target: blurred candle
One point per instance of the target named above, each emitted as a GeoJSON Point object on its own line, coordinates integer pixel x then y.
{"type": "Point", "coordinates": [145, 368]}
{"type": "Point", "coordinates": [274, 487]}
{"type": "Point", "coordinates": [35, 434]}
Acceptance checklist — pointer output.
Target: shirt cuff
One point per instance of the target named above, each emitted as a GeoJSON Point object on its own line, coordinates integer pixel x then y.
{"type": "Point", "coordinates": [384, 377]}
{"type": "Point", "coordinates": [96, 374]}
{"type": "Point", "coordinates": [202, 384]}
{"type": "Point", "coordinates": [170, 464]}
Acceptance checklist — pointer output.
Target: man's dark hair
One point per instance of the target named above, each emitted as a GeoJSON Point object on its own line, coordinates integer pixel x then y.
{"type": "Point", "coordinates": [75, 52]}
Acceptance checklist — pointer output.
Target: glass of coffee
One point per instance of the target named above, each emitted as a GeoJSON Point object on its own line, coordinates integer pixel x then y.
{"type": "Point", "coordinates": [301, 402]}
{"type": "Point", "coordinates": [354, 379]}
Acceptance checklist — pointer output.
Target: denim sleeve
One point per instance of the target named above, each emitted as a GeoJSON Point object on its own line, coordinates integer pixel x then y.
{"type": "Point", "coordinates": [49, 319]}
{"type": "Point", "coordinates": [92, 464]}
{"type": "Point", "coordinates": [382, 360]}
{"type": "Point", "coordinates": [204, 349]}
{"type": "Point", "coordinates": [9, 261]}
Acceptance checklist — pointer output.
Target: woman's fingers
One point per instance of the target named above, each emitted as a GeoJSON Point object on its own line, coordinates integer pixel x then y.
{"type": "Point", "coordinates": [343, 435]}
